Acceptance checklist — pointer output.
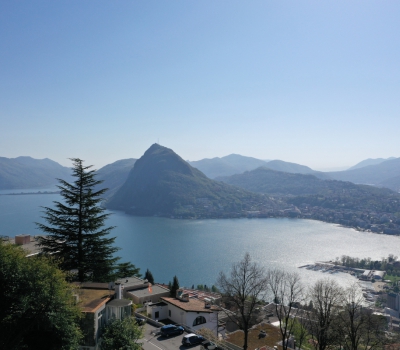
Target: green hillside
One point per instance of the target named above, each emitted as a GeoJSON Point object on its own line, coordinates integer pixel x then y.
{"type": "Point", "coordinates": [299, 189]}
{"type": "Point", "coordinates": [265, 180]}
{"type": "Point", "coordinates": [162, 183]}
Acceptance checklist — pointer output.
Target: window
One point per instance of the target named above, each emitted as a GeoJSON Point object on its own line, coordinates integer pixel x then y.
{"type": "Point", "coordinates": [157, 315]}
{"type": "Point", "coordinates": [199, 320]}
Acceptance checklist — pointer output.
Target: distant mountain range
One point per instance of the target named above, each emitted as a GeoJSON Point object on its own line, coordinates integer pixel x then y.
{"type": "Point", "coordinates": [162, 183]}
{"type": "Point", "coordinates": [26, 172]}
{"type": "Point", "coordinates": [237, 164]}
{"type": "Point", "coordinates": [384, 174]}
{"type": "Point", "coordinates": [226, 166]}
{"type": "Point", "coordinates": [294, 168]}
{"type": "Point", "coordinates": [30, 173]}
{"type": "Point", "coordinates": [369, 161]}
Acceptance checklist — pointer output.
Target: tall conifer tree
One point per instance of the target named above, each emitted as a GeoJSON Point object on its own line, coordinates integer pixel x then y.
{"type": "Point", "coordinates": [75, 230]}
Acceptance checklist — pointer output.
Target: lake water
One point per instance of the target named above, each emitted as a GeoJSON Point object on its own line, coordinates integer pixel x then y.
{"type": "Point", "coordinates": [197, 250]}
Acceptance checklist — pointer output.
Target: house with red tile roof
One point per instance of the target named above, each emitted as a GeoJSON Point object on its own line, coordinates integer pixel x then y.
{"type": "Point", "coordinates": [187, 311]}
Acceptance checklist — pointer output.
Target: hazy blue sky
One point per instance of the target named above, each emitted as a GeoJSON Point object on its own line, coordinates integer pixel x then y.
{"type": "Point", "coordinates": [312, 82]}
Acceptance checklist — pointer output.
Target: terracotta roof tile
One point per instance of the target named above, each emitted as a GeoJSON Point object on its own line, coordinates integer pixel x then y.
{"type": "Point", "coordinates": [195, 305]}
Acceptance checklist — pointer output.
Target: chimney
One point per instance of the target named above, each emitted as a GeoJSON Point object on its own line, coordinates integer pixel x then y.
{"type": "Point", "coordinates": [181, 295]}
{"type": "Point", "coordinates": [22, 239]}
{"type": "Point", "coordinates": [118, 290]}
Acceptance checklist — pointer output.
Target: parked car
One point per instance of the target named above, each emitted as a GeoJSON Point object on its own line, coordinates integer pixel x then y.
{"type": "Point", "coordinates": [192, 339]}
{"type": "Point", "coordinates": [171, 329]}
{"type": "Point", "coordinates": [209, 345]}
{"type": "Point", "coordinates": [140, 321]}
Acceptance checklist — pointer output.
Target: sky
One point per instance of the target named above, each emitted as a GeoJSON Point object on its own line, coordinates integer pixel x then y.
{"type": "Point", "coordinates": [311, 82]}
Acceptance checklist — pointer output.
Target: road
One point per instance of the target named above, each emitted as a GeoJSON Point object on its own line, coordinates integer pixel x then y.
{"type": "Point", "coordinates": [157, 342]}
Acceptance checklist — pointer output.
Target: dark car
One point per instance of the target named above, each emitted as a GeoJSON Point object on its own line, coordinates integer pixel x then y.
{"type": "Point", "coordinates": [192, 339]}
{"type": "Point", "coordinates": [171, 329]}
{"type": "Point", "coordinates": [140, 321]}
{"type": "Point", "coordinates": [209, 345]}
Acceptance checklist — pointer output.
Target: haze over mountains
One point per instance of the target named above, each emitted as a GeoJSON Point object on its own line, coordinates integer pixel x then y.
{"type": "Point", "coordinates": [237, 164]}
{"type": "Point", "coordinates": [226, 166]}
{"type": "Point", "coordinates": [30, 173]}
{"type": "Point", "coordinates": [369, 161]}
{"type": "Point", "coordinates": [26, 172]}
{"type": "Point", "coordinates": [383, 174]}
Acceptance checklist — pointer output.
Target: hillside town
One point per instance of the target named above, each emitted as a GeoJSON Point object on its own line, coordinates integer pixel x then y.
{"type": "Point", "coordinates": [361, 220]}
{"type": "Point", "coordinates": [211, 316]}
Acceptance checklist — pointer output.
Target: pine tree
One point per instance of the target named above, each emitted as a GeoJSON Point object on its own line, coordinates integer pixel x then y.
{"type": "Point", "coordinates": [76, 232]}
{"type": "Point", "coordinates": [174, 287]}
{"type": "Point", "coordinates": [126, 269]}
{"type": "Point", "coordinates": [149, 276]}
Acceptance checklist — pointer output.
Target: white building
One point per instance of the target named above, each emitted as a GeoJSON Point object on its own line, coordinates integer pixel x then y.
{"type": "Point", "coordinates": [189, 312]}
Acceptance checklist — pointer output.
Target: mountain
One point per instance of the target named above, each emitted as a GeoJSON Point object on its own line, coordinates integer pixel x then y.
{"type": "Point", "coordinates": [265, 180]}
{"type": "Point", "coordinates": [226, 166]}
{"type": "Point", "coordinates": [392, 183]}
{"type": "Point", "coordinates": [369, 161]}
{"type": "Point", "coordinates": [294, 168]}
{"type": "Point", "coordinates": [372, 174]}
{"type": "Point", "coordinates": [162, 183]}
{"type": "Point", "coordinates": [27, 172]}
{"type": "Point", "coordinates": [114, 175]}
{"type": "Point", "coordinates": [308, 190]}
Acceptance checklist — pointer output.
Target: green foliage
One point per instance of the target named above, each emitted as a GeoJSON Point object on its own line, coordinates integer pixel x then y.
{"type": "Point", "coordinates": [149, 276]}
{"type": "Point", "coordinates": [207, 289]}
{"type": "Point", "coordinates": [122, 334]}
{"type": "Point", "coordinates": [214, 289]}
{"type": "Point", "coordinates": [174, 287]}
{"type": "Point", "coordinates": [75, 230]}
{"type": "Point", "coordinates": [37, 309]}
{"type": "Point", "coordinates": [300, 332]}
{"type": "Point", "coordinates": [127, 269]}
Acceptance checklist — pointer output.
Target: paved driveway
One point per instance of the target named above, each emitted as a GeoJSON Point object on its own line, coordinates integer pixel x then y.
{"type": "Point", "coordinates": [157, 342]}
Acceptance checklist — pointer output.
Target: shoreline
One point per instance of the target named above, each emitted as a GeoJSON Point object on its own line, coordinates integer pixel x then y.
{"type": "Point", "coordinates": [29, 193]}
{"type": "Point", "coordinates": [172, 217]}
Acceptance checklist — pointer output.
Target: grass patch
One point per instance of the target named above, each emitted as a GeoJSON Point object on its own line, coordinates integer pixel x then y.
{"type": "Point", "coordinates": [392, 278]}
{"type": "Point", "coordinates": [272, 338]}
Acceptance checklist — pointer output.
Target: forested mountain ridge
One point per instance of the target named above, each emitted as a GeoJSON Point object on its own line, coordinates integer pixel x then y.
{"type": "Point", "coordinates": [162, 183]}
{"type": "Point", "coordinates": [265, 180]}
{"type": "Point", "coordinates": [346, 203]}
{"type": "Point", "coordinates": [28, 173]}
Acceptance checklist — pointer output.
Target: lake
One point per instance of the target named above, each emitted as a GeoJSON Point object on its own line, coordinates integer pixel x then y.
{"type": "Point", "coordinates": [197, 250]}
